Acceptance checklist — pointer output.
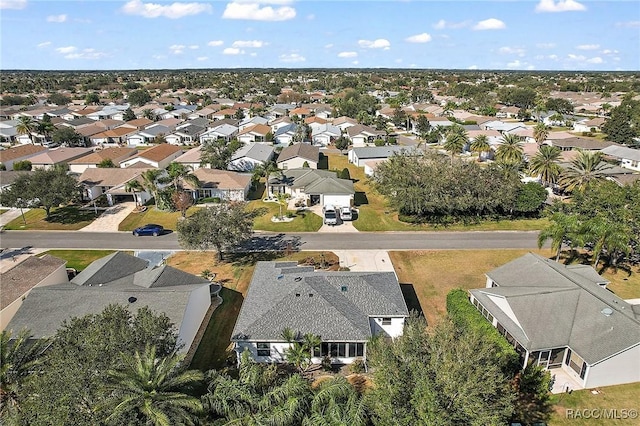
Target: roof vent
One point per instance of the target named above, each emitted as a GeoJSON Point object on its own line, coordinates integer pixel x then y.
{"type": "Point", "coordinates": [296, 279]}
{"type": "Point", "coordinates": [132, 299]}
{"type": "Point", "coordinates": [343, 288]}
{"type": "Point", "coordinates": [607, 312]}
{"type": "Point", "coordinates": [297, 294]}
{"type": "Point", "coordinates": [281, 276]}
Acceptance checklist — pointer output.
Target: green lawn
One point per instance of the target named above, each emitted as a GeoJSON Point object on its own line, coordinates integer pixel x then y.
{"type": "Point", "coordinates": [2, 211]}
{"type": "Point", "coordinates": [621, 397]}
{"type": "Point", "coordinates": [303, 221]}
{"type": "Point", "coordinates": [377, 215]}
{"type": "Point", "coordinates": [152, 215]}
{"type": "Point", "coordinates": [68, 218]}
{"type": "Point", "coordinates": [79, 259]}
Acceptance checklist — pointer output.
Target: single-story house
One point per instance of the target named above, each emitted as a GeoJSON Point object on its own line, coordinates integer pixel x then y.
{"type": "Point", "coordinates": [122, 279]}
{"type": "Point", "coordinates": [119, 135]}
{"type": "Point", "coordinates": [325, 134]}
{"type": "Point", "coordinates": [279, 122]}
{"type": "Point", "coordinates": [361, 135]}
{"type": "Point", "coordinates": [313, 186]}
{"type": "Point", "coordinates": [48, 159]}
{"type": "Point", "coordinates": [252, 121]}
{"type": "Point", "coordinates": [585, 144]}
{"type": "Point", "coordinates": [223, 184]}
{"type": "Point", "coordinates": [254, 133]}
{"type": "Point", "coordinates": [19, 153]}
{"type": "Point", "coordinates": [191, 158]}
{"type": "Point", "coordinates": [629, 157]}
{"type": "Point", "coordinates": [564, 319]}
{"type": "Point", "coordinates": [188, 134]}
{"type": "Point", "coordinates": [589, 125]}
{"type": "Point", "coordinates": [344, 122]}
{"type": "Point", "coordinates": [345, 309]}
{"type": "Point", "coordinates": [222, 131]}
{"type": "Point", "coordinates": [17, 282]}
{"type": "Point", "coordinates": [296, 155]}
{"type": "Point", "coordinates": [249, 156]}
{"type": "Point", "coordinates": [360, 155]}
{"type": "Point", "coordinates": [148, 135]}
{"type": "Point", "coordinates": [158, 156]}
{"type": "Point", "coordinates": [98, 181]}
{"type": "Point", "coordinates": [285, 134]}
{"type": "Point", "coordinates": [115, 154]}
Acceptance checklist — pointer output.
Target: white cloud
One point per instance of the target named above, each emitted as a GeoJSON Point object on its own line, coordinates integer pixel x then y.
{"type": "Point", "coordinates": [249, 43]}
{"type": "Point", "coordinates": [66, 50]}
{"type": "Point", "coordinates": [292, 58]}
{"type": "Point", "coordinates": [442, 24]}
{"type": "Point", "coordinates": [588, 47]}
{"type": "Point", "coordinates": [629, 24]}
{"type": "Point", "coordinates": [559, 6]}
{"type": "Point", "coordinates": [553, 57]}
{"type": "Point", "coordinates": [473, 67]}
{"type": "Point", "coordinates": [91, 54]}
{"type": "Point", "coordinates": [355, 62]}
{"type": "Point", "coordinates": [506, 50]}
{"type": "Point", "coordinates": [545, 45]}
{"type": "Point", "coordinates": [232, 51]}
{"type": "Point", "coordinates": [419, 38]}
{"type": "Point", "coordinates": [489, 24]}
{"type": "Point", "coordinates": [609, 52]}
{"type": "Point", "coordinates": [595, 60]}
{"type": "Point", "coordinates": [57, 18]}
{"type": "Point", "coordinates": [171, 11]}
{"type": "Point", "coordinates": [574, 57]}
{"type": "Point", "coordinates": [194, 47]}
{"type": "Point", "coordinates": [201, 58]}
{"type": "Point", "coordinates": [13, 4]}
{"type": "Point", "coordinates": [311, 17]}
{"type": "Point", "coordinates": [177, 49]}
{"type": "Point", "coordinates": [215, 43]}
{"type": "Point", "coordinates": [44, 44]}
{"type": "Point", "coordinates": [514, 64]}
{"type": "Point", "coordinates": [254, 12]}
{"type": "Point", "coordinates": [380, 43]}
{"type": "Point", "coordinates": [328, 46]}
{"type": "Point", "coordinates": [347, 54]}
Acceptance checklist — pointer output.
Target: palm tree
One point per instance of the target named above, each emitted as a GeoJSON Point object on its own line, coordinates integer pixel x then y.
{"type": "Point", "coordinates": [149, 114]}
{"type": "Point", "coordinates": [19, 357]}
{"type": "Point", "coordinates": [151, 390]}
{"type": "Point", "coordinates": [26, 126]}
{"type": "Point", "coordinates": [510, 150]}
{"type": "Point", "coordinates": [609, 237]}
{"type": "Point", "coordinates": [585, 168]}
{"type": "Point", "coordinates": [480, 144]}
{"type": "Point", "coordinates": [540, 132]}
{"type": "Point", "coordinates": [456, 140]}
{"type": "Point", "coordinates": [179, 173]}
{"type": "Point", "coordinates": [336, 402]}
{"type": "Point", "coordinates": [134, 186]}
{"type": "Point", "coordinates": [562, 228]}
{"type": "Point", "coordinates": [545, 164]}
{"type": "Point", "coordinates": [260, 395]}
{"type": "Point", "coordinates": [150, 182]}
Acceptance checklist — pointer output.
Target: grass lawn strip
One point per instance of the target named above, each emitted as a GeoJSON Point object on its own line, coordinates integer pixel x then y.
{"type": "Point", "coordinates": [69, 218]}
{"type": "Point", "coordinates": [610, 400]}
{"type": "Point", "coordinates": [305, 221]}
{"type": "Point", "coordinates": [152, 215]}
{"type": "Point", "coordinates": [79, 259]}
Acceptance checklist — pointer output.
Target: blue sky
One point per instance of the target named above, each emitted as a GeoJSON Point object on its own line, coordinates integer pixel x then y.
{"type": "Point", "coordinates": [152, 34]}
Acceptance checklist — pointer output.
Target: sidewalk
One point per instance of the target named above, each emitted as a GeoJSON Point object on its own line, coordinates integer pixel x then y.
{"type": "Point", "coordinates": [365, 260]}
{"type": "Point", "coordinates": [13, 256]}
{"type": "Point", "coordinates": [8, 216]}
{"type": "Point", "coordinates": [110, 219]}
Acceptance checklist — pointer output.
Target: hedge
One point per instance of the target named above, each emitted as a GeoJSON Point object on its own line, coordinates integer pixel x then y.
{"type": "Point", "coordinates": [465, 316]}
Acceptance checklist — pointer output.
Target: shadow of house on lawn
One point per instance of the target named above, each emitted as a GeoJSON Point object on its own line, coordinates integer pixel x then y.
{"type": "Point", "coordinates": [411, 298]}
{"type": "Point", "coordinates": [323, 162]}
{"type": "Point", "coordinates": [360, 198]}
{"type": "Point", "coordinates": [70, 215]}
{"type": "Point", "coordinates": [265, 247]}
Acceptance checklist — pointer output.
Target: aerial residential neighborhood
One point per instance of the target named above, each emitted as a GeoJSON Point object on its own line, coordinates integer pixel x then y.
{"type": "Point", "coordinates": [310, 213]}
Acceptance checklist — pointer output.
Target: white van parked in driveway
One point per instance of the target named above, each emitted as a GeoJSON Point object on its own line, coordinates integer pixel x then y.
{"type": "Point", "coordinates": [330, 215]}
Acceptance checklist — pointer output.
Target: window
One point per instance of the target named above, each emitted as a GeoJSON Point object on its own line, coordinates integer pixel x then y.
{"type": "Point", "coordinates": [264, 349]}
{"type": "Point", "coordinates": [342, 349]}
{"type": "Point", "coordinates": [324, 349]}
{"type": "Point", "coordinates": [386, 321]}
{"type": "Point", "coordinates": [359, 349]}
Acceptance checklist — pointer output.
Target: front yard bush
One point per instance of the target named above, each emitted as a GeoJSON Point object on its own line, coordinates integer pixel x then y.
{"type": "Point", "coordinates": [465, 315]}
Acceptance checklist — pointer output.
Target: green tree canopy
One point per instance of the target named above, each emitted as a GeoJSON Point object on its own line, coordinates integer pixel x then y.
{"type": "Point", "coordinates": [138, 97]}
{"type": "Point", "coordinates": [217, 154]}
{"type": "Point", "coordinates": [67, 136]}
{"type": "Point", "coordinates": [220, 227]}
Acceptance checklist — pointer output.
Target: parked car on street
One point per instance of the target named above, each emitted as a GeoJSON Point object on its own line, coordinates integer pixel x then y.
{"type": "Point", "coordinates": [149, 229]}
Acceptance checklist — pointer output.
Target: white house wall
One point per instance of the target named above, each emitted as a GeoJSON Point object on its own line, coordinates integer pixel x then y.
{"type": "Point", "coordinates": [622, 368]}
{"type": "Point", "coordinates": [393, 330]}
{"type": "Point", "coordinates": [197, 307]}
{"type": "Point", "coordinates": [278, 350]}
{"type": "Point", "coordinates": [630, 164]}
{"type": "Point", "coordinates": [297, 163]}
{"type": "Point", "coordinates": [336, 200]}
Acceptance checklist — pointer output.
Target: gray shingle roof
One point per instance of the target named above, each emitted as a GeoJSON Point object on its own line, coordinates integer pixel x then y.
{"type": "Point", "coordinates": [334, 305]}
{"type": "Point", "coordinates": [111, 280]}
{"type": "Point", "coordinates": [557, 306]}
{"type": "Point", "coordinates": [380, 151]}
{"type": "Point", "coordinates": [302, 150]}
{"type": "Point", "coordinates": [255, 151]}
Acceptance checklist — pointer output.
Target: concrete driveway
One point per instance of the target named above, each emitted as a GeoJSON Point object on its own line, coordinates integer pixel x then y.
{"type": "Point", "coordinates": [341, 227]}
{"type": "Point", "coordinates": [365, 260]}
{"type": "Point", "coordinates": [111, 218]}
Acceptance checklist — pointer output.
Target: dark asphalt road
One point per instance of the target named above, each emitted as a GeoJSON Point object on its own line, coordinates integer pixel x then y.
{"type": "Point", "coordinates": [271, 241]}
